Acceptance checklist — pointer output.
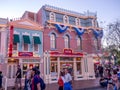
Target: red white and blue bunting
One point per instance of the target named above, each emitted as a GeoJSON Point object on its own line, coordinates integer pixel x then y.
{"type": "Point", "coordinates": [79, 31]}
{"type": "Point", "coordinates": [97, 33]}
{"type": "Point", "coordinates": [61, 28]}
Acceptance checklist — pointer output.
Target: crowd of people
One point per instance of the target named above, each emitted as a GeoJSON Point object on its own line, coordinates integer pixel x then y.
{"type": "Point", "coordinates": [33, 81]}
{"type": "Point", "coordinates": [109, 76]}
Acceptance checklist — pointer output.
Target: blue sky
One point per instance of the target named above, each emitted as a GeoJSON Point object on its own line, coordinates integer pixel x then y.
{"type": "Point", "coordinates": [107, 10]}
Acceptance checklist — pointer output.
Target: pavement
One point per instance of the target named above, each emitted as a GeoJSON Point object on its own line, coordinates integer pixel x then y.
{"type": "Point", "coordinates": [92, 84]}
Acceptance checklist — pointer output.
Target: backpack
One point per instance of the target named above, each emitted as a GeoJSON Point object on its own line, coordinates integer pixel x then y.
{"type": "Point", "coordinates": [42, 84]}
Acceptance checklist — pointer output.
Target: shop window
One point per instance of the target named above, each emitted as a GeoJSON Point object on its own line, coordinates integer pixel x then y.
{"type": "Point", "coordinates": [67, 41]}
{"type": "Point", "coordinates": [15, 46]}
{"type": "Point", "coordinates": [25, 47]}
{"type": "Point", "coordinates": [79, 68]}
{"type": "Point", "coordinates": [25, 67]}
{"type": "Point", "coordinates": [79, 43]}
{"type": "Point", "coordinates": [54, 68]}
{"type": "Point", "coordinates": [53, 41]}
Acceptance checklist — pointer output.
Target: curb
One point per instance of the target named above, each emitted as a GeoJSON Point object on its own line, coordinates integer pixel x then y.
{"type": "Point", "coordinates": [96, 87]}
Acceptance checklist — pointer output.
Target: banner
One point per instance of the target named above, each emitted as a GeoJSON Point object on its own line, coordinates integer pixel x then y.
{"type": "Point", "coordinates": [97, 33]}
{"type": "Point", "coordinates": [61, 28]}
{"type": "Point", "coordinates": [79, 31]}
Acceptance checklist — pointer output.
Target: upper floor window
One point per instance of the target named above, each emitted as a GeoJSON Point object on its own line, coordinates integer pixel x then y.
{"type": "Point", "coordinates": [79, 43]}
{"type": "Point", "coordinates": [77, 21]}
{"type": "Point", "coordinates": [26, 43]}
{"type": "Point", "coordinates": [67, 41]}
{"type": "Point", "coordinates": [65, 19]}
{"type": "Point", "coordinates": [37, 42]}
{"type": "Point", "coordinates": [53, 41]}
{"type": "Point", "coordinates": [52, 16]}
{"type": "Point", "coordinates": [16, 41]}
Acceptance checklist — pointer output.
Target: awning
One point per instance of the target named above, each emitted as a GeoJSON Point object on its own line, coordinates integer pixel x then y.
{"type": "Point", "coordinates": [16, 38]}
{"type": "Point", "coordinates": [26, 39]}
{"type": "Point", "coordinates": [36, 40]}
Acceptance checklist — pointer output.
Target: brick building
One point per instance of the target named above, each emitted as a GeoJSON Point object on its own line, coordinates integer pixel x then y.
{"type": "Point", "coordinates": [70, 40]}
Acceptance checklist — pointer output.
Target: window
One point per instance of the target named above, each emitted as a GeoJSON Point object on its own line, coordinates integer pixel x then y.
{"type": "Point", "coordinates": [59, 17]}
{"type": "Point", "coordinates": [15, 46]}
{"type": "Point", "coordinates": [65, 19]}
{"type": "Point", "coordinates": [36, 47]}
{"type": "Point", "coordinates": [25, 47]}
{"type": "Point", "coordinates": [53, 41]}
{"type": "Point", "coordinates": [71, 20]}
{"type": "Point", "coordinates": [67, 41]}
{"type": "Point", "coordinates": [53, 69]}
{"type": "Point", "coordinates": [52, 16]}
{"type": "Point", "coordinates": [86, 22]}
{"type": "Point", "coordinates": [79, 70]}
{"type": "Point", "coordinates": [37, 42]}
{"type": "Point", "coordinates": [79, 43]}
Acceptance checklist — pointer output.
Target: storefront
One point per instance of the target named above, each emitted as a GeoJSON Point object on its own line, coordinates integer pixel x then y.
{"type": "Point", "coordinates": [58, 61]}
{"type": "Point", "coordinates": [25, 62]}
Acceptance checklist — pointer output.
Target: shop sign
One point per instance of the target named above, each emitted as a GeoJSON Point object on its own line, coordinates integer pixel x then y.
{"type": "Point", "coordinates": [67, 51]}
{"type": "Point", "coordinates": [25, 53]}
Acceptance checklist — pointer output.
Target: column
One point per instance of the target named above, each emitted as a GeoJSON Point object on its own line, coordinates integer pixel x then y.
{"type": "Point", "coordinates": [74, 68]}
{"type": "Point", "coordinates": [58, 62]}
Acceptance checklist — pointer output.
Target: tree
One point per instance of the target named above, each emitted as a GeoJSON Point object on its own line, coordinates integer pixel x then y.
{"type": "Point", "coordinates": [112, 37]}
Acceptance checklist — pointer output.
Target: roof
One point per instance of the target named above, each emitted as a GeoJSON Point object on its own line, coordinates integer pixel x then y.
{"type": "Point", "coordinates": [26, 24]}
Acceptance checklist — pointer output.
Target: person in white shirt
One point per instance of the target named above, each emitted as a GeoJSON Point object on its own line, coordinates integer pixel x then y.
{"type": "Point", "coordinates": [68, 80]}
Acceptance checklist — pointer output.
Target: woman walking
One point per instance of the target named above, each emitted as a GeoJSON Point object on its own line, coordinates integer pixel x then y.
{"type": "Point", "coordinates": [61, 81]}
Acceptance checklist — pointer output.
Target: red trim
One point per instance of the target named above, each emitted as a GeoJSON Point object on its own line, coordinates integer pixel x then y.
{"type": "Point", "coordinates": [10, 41]}
{"type": "Point", "coordinates": [66, 53]}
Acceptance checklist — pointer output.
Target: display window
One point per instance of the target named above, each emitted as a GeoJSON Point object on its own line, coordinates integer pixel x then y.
{"type": "Point", "coordinates": [27, 66]}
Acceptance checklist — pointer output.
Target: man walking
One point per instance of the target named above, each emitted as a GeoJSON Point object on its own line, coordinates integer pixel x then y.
{"type": "Point", "coordinates": [18, 84]}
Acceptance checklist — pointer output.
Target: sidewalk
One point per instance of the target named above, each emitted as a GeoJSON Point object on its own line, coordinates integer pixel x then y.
{"type": "Point", "coordinates": [77, 85]}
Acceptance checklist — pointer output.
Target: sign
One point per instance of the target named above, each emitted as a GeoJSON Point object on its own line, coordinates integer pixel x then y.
{"type": "Point", "coordinates": [25, 53]}
{"type": "Point", "coordinates": [67, 51]}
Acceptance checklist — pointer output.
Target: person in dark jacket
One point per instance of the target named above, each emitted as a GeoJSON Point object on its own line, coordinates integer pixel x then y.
{"type": "Point", "coordinates": [1, 76]}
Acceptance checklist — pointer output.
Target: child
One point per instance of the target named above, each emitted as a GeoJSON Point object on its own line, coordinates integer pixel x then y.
{"type": "Point", "coordinates": [61, 81]}
{"type": "Point", "coordinates": [1, 76]}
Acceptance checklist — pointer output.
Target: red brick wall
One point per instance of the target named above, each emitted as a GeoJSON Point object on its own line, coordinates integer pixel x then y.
{"type": "Point", "coordinates": [87, 41]}
{"type": "Point", "coordinates": [39, 17]}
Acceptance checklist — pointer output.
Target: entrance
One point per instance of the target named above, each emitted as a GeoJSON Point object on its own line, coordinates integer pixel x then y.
{"type": "Point", "coordinates": [67, 62]}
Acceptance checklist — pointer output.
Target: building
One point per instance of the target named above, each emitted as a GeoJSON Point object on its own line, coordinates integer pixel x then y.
{"type": "Point", "coordinates": [25, 48]}
{"type": "Point", "coordinates": [3, 42]}
{"type": "Point", "coordinates": [71, 40]}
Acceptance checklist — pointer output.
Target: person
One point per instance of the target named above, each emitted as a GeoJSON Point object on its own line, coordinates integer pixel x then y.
{"type": "Point", "coordinates": [115, 79]}
{"type": "Point", "coordinates": [100, 68]}
{"type": "Point", "coordinates": [103, 82]}
{"type": "Point", "coordinates": [110, 82]}
{"type": "Point", "coordinates": [35, 79]}
{"type": "Point", "coordinates": [18, 84]}
{"type": "Point", "coordinates": [61, 80]}
{"type": "Point", "coordinates": [1, 76]}
{"type": "Point", "coordinates": [68, 80]}
{"type": "Point", "coordinates": [27, 80]}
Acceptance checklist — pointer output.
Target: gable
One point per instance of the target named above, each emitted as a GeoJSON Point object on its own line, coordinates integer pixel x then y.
{"type": "Point", "coordinates": [26, 24]}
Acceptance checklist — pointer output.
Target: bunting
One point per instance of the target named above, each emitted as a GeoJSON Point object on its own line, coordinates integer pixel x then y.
{"type": "Point", "coordinates": [97, 33]}
{"type": "Point", "coordinates": [61, 28]}
{"type": "Point", "coordinates": [79, 31]}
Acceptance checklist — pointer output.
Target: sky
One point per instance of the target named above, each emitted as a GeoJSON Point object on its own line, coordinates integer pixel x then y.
{"type": "Point", "coordinates": [107, 10]}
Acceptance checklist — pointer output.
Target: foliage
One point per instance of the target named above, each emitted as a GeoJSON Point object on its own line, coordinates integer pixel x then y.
{"type": "Point", "coordinates": [112, 36]}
